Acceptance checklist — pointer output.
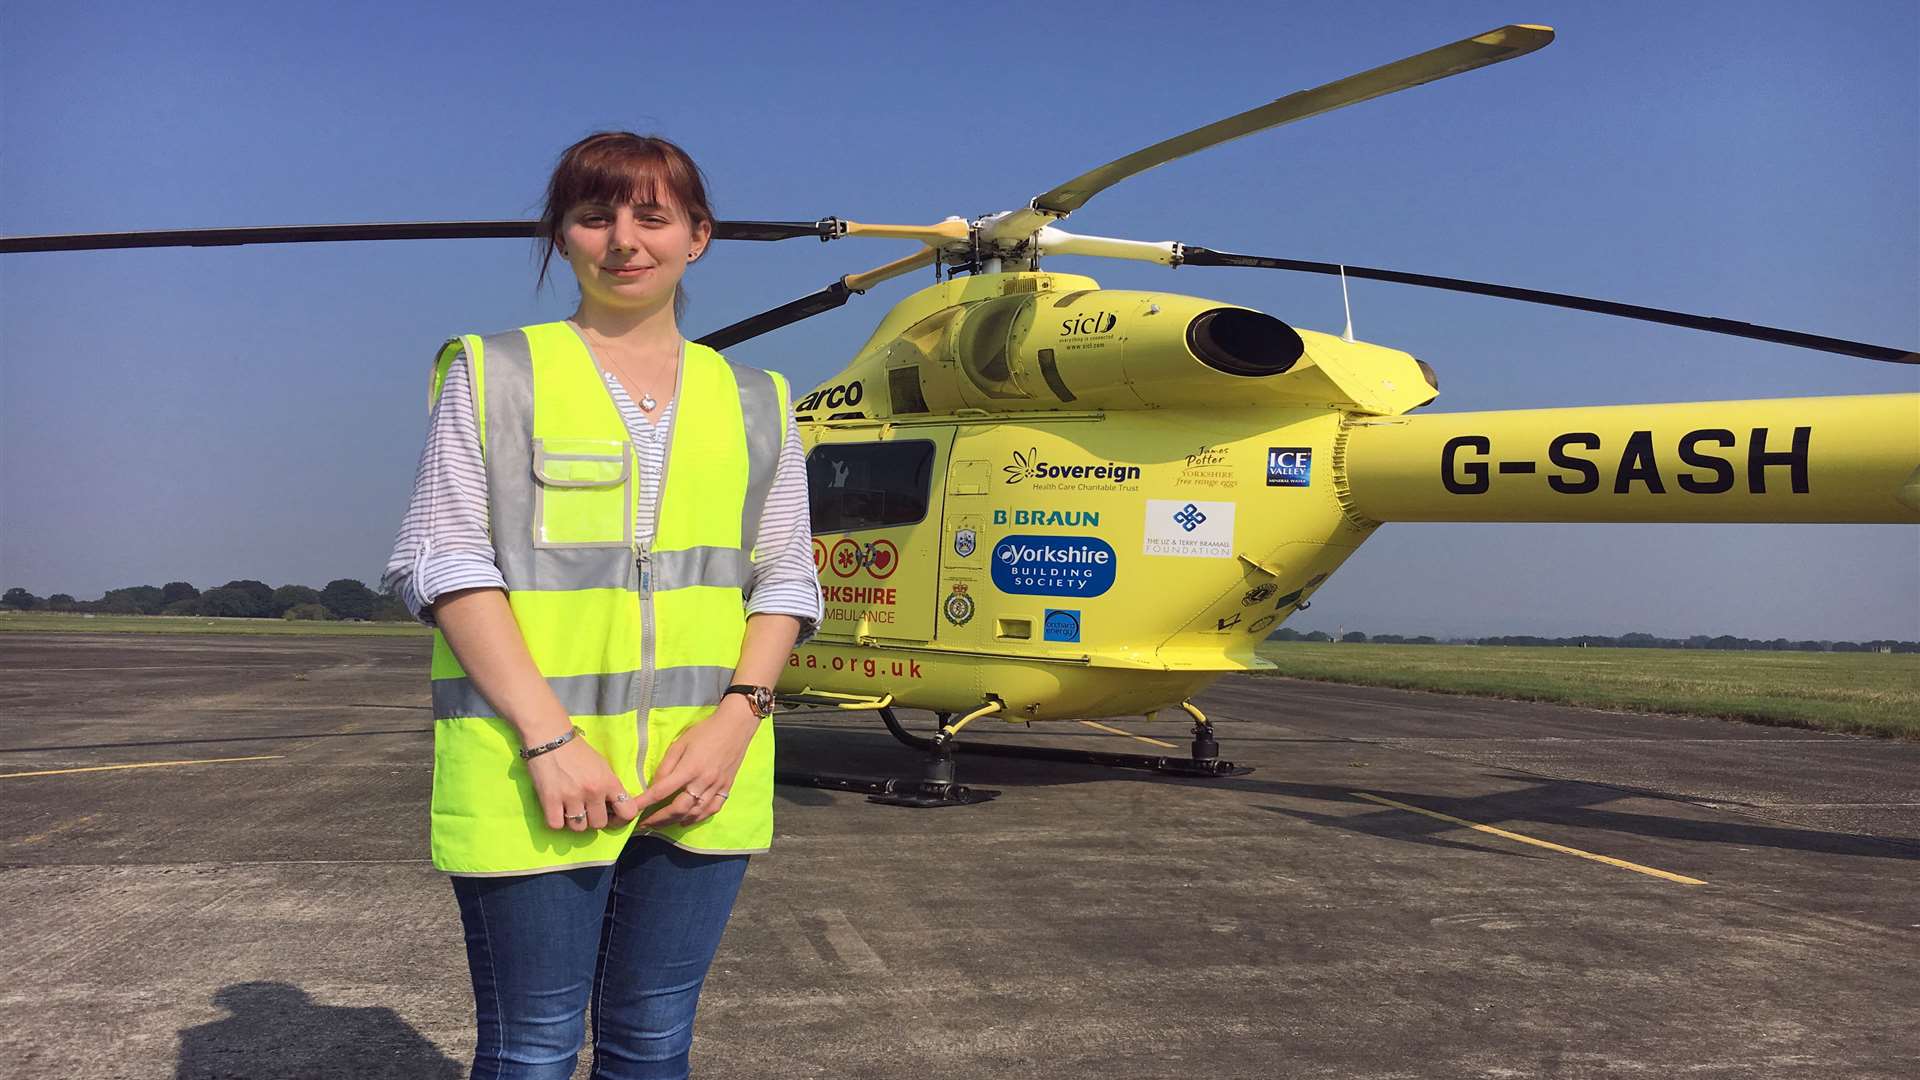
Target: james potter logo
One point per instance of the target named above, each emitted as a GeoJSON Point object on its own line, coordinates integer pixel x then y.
{"type": "Point", "coordinates": [1208, 466]}
{"type": "Point", "coordinates": [1053, 565]}
{"type": "Point", "coordinates": [1192, 528]}
{"type": "Point", "coordinates": [1289, 466]}
{"type": "Point", "coordinates": [1029, 466]}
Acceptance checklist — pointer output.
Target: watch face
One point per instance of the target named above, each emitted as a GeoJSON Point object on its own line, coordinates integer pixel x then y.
{"type": "Point", "coordinates": [763, 700]}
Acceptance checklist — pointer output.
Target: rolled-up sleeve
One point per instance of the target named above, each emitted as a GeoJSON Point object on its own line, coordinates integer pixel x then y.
{"type": "Point", "coordinates": [443, 543]}
{"type": "Point", "coordinates": [785, 581]}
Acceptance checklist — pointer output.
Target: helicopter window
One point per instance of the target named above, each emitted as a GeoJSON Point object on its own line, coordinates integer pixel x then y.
{"type": "Point", "coordinates": [856, 486]}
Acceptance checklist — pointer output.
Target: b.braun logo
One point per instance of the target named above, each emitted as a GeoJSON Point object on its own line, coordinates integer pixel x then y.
{"type": "Point", "coordinates": [1093, 322]}
{"type": "Point", "coordinates": [1053, 565]}
{"type": "Point", "coordinates": [1289, 466]}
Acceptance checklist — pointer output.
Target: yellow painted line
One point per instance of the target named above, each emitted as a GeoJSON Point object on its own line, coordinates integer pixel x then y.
{"type": "Point", "coordinates": [1128, 734]}
{"type": "Point", "coordinates": [140, 765]}
{"type": "Point", "coordinates": [1549, 845]}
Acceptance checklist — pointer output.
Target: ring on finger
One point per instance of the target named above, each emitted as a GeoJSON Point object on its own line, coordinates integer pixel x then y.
{"type": "Point", "coordinates": [581, 816]}
{"type": "Point", "coordinates": [620, 798]}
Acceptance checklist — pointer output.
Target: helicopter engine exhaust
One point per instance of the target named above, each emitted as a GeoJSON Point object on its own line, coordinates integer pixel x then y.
{"type": "Point", "coordinates": [1240, 341]}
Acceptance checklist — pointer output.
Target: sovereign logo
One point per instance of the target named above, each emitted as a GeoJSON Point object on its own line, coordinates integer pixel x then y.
{"type": "Point", "coordinates": [1289, 466]}
{"type": "Point", "coordinates": [1029, 466]}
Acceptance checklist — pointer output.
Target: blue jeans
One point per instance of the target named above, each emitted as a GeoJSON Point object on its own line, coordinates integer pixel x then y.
{"type": "Point", "coordinates": [633, 939]}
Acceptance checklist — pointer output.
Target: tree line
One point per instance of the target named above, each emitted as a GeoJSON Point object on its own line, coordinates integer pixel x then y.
{"type": "Point", "coordinates": [1624, 641]}
{"type": "Point", "coordinates": [341, 598]}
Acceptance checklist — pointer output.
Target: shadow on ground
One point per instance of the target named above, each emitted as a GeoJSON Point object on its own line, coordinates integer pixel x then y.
{"type": "Point", "coordinates": [277, 1030]}
{"type": "Point", "coordinates": [1535, 799]}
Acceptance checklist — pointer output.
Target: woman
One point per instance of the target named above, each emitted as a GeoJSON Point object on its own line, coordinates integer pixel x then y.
{"type": "Point", "coordinates": [609, 533]}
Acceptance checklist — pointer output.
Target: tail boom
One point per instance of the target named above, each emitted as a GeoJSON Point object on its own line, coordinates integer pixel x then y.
{"type": "Point", "coordinates": [1832, 459]}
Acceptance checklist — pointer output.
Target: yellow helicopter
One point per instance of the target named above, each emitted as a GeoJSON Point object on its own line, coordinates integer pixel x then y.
{"type": "Point", "coordinates": [1036, 499]}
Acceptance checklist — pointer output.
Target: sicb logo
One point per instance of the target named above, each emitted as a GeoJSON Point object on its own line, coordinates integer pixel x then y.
{"type": "Point", "coordinates": [1289, 466]}
{"type": "Point", "coordinates": [1093, 322]}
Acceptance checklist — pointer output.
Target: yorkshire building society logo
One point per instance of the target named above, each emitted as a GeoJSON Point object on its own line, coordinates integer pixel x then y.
{"type": "Point", "coordinates": [963, 542]}
{"type": "Point", "coordinates": [1053, 565]}
{"type": "Point", "coordinates": [1289, 466]}
{"type": "Point", "coordinates": [1193, 529]}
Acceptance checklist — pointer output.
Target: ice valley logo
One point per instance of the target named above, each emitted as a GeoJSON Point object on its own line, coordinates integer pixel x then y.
{"type": "Point", "coordinates": [1053, 565]}
{"type": "Point", "coordinates": [1289, 466]}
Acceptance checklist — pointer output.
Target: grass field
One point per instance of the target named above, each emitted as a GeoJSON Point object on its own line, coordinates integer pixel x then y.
{"type": "Point", "coordinates": [1865, 693]}
{"type": "Point", "coordinates": [41, 622]}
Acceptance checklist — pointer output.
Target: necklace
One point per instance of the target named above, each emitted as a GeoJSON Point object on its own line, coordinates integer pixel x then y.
{"type": "Point", "coordinates": [647, 401]}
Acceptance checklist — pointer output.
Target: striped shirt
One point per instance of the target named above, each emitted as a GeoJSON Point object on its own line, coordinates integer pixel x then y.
{"type": "Point", "coordinates": [443, 543]}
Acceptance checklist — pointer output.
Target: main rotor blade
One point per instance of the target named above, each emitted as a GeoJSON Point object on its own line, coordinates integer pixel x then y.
{"type": "Point", "coordinates": [816, 303]}
{"type": "Point", "coordinates": [1491, 47]}
{"type": "Point", "coordinates": [389, 230]}
{"type": "Point", "coordinates": [1199, 256]}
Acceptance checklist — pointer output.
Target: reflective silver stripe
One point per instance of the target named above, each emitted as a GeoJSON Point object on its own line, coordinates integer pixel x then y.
{"type": "Point", "coordinates": [580, 695]}
{"type": "Point", "coordinates": [677, 686]}
{"type": "Point", "coordinates": [509, 457]}
{"type": "Point", "coordinates": [700, 566]}
{"type": "Point", "coordinates": [595, 695]}
{"type": "Point", "coordinates": [766, 431]}
{"type": "Point", "coordinates": [571, 568]}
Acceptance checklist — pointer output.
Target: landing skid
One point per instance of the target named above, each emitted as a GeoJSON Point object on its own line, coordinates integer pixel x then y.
{"type": "Point", "coordinates": [936, 786]}
{"type": "Point", "coordinates": [892, 791]}
{"type": "Point", "coordinates": [1209, 765]}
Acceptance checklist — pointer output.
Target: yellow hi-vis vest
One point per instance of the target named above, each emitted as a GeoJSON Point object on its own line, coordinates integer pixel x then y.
{"type": "Point", "coordinates": [638, 641]}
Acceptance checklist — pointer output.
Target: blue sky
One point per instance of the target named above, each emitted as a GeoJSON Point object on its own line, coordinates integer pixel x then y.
{"type": "Point", "coordinates": [256, 412]}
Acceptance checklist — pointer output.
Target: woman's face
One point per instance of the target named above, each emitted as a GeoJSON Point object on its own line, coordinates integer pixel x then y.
{"type": "Point", "coordinates": [630, 257]}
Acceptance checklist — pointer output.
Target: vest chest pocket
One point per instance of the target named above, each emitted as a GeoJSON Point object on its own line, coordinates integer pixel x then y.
{"type": "Point", "coordinates": [583, 493]}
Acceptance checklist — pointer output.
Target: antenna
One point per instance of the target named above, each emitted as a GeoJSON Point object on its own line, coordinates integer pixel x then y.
{"type": "Point", "coordinates": [1347, 334]}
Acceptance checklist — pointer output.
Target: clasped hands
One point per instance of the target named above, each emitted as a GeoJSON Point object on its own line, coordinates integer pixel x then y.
{"type": "Point", "coordinates": [579, 791]}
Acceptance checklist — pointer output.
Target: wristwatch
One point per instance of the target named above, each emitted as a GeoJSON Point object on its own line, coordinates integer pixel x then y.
{"type": "Point", "coordinates": [759, 697]}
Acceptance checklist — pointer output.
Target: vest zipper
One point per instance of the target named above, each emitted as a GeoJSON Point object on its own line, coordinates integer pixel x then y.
{"type": "Point", "coordinates": [645, 701]}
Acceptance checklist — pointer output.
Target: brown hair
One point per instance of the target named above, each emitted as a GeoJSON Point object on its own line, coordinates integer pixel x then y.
{"type": "Point", "coordinates": [619, 167]}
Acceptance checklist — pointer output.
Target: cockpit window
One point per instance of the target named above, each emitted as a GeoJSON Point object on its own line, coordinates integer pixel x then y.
{"type": "Point", "coordinates": [854, 486]}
